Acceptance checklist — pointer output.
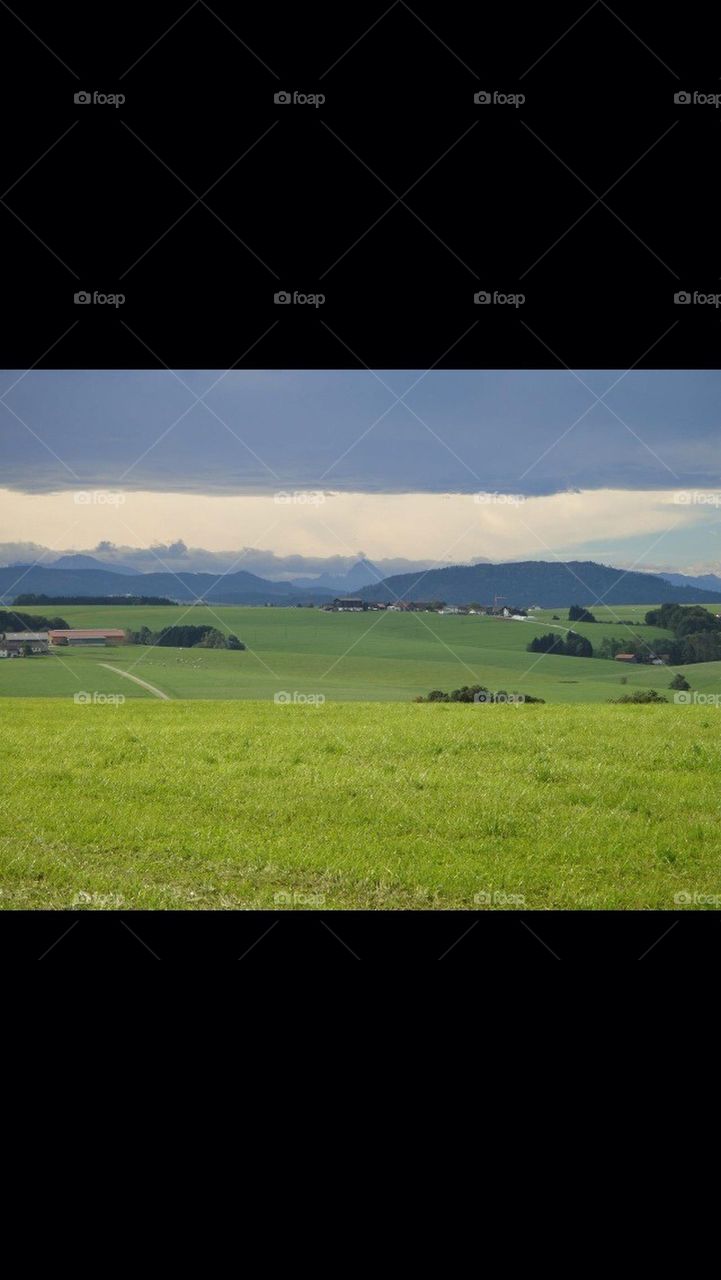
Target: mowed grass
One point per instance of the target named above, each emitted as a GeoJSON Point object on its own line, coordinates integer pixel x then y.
{"type": "Point", "coordinates": [227, 805]}
{"type": "Point", "coordinates": [342, 656]}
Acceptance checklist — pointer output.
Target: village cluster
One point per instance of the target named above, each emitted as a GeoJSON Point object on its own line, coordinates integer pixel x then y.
{"type": "Point", "coordinates": [356, 605]}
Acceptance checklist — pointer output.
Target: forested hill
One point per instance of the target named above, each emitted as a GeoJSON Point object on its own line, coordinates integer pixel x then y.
{"type": "Point", "coordinates": [550, 584]}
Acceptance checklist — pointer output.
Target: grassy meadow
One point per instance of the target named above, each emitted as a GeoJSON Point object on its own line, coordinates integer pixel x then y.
{"type": "Point", "coordinates": [250, 805]}
{"type": "Point", "coordinates": [221, 798]}
{"type": "Point", "coordinates": [245, 805]}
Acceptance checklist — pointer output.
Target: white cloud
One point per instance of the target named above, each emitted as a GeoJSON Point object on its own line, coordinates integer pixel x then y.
{"type": "Point", "coordinates": [420, 527]}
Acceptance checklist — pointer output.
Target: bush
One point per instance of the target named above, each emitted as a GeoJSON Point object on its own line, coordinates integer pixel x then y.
{"type": "Point", "coordinates": [577, 614]}
{"type": "Point", "coordinates": [232, 642]}
{"type": "Point", "coordinates": [474, 693]}
{"type": "Point", "coordinates": [679, 682]}
{"type": "Point", "coordinates": [641, 695]}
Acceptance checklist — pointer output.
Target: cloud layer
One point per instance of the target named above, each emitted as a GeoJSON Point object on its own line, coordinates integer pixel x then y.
{"type": "Point", "coordinates": [397, 532]}
{"type": "Point", "coordinates": [534, 432]}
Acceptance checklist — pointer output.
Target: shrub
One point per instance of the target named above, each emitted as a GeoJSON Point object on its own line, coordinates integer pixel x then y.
{"type": "Point", "coordinates": [641, 695]}
{"type": "Point", "coordinates": [474, 693]}
{"type": "Point", "coordinates": [577, 614]}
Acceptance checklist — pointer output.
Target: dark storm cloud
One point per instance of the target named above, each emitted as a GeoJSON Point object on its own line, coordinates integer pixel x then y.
{"type": "Point", "coordinates": [264, 430]}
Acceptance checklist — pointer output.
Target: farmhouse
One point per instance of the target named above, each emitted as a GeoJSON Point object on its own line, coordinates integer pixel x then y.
{"type": "Point", "coordinates": [13, 642]}
{"type": "Point", "coordinates": [354, 605]}
{"type": "Point", "coordinates": [92, 635]}
{"type": "Point", "coordinates": [625, 657]}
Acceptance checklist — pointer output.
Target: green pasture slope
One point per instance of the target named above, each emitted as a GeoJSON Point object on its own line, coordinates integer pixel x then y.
{"type": "Point", "coordinates": [366, 657]}
{"type": "Point", "coordinates": [244, 805]}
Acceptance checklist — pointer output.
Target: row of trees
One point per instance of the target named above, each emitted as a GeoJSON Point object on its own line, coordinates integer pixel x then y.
{"type": "Point", "coordinates": [31, 598]}
{"type": "Point", "coordinates": [185, 638]}
{"type": "Point", "coordinates": [577, 613]}
{"type": "Point", "coordinates": [12, 621]}
{"type": "Point", "coordinates": [572, 645]}
{"type": "Point", "coordinates": [702, 647]}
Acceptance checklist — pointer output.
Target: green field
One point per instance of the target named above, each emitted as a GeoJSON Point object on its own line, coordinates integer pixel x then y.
{"type": "Point", "coordinates": [365, 657]}
{"type": "Point", "coordinates": [227, 805]}
{"type": "Point", "coordinates": [222, 797]}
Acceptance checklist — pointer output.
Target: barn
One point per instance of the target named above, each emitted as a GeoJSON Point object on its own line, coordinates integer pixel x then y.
{"type": "Point", "coordinates": [90, 635]}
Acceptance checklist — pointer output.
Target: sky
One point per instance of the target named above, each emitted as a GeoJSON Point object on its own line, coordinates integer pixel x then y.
{"type": "Point", "coordinates": [289, 473]}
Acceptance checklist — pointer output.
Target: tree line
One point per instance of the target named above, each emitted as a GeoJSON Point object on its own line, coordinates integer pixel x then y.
{"type": "Point", "coordinates": [696, 638]}
{"type": "Point", "coordinates": [11, 621]}
{"type": "Point", "coordinates": [185, 637]}
{"type": "Point", "coordinates": [31, 598]}
{"type": "Point", "coordinates": [572, 645]}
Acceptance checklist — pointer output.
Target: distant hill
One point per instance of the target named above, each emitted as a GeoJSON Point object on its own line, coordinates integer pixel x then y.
{"type": "Point", "coordinates": [550, 584]}
{"type": "Point", "coordinates": [706, 581]}
{"type": "Point", "coordinates": [232, 588]}
{"type": "Point", "coordinates": [80, 561]}
{"type": "Point", "coordinates": [547, 583]}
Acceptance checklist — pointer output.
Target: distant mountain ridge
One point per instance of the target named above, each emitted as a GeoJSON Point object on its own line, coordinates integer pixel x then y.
{"type": "Point", "coordinates": [77, 560]}
{"type": "Point", "coordinates": [550, 584]}
{"type": "Point", "coordinates": [231, 588]}
{"type": "Point", "coordinates": [358, 575]}
{"type": "Point", "coordinates": [706, 581]}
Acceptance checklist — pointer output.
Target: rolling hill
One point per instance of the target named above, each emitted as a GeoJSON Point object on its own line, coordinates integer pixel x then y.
{"type": "Point", "coordinates": [550, 584]}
